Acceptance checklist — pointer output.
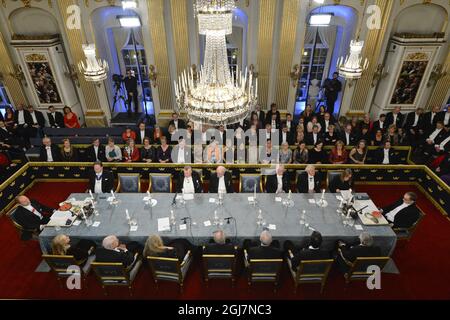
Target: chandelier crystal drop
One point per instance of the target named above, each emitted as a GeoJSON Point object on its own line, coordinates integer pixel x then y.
{"type": "Point", "coordinates": [352, 66]}
{"type": "Point", "coordinates": [94, 69]}
{"type": "Point", "coordinates": [215, 95]}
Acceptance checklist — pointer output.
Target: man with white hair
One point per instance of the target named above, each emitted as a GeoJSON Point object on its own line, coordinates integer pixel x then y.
{"type": "Point", "coordinates": [220, 245]}
{"type": "Point", "coordinates": [221, 181]}
{"type": "Point", "coordinates": [348, 253]}
{"type": "Point", "coordinates": [49, 152]}
{"type": "Point", "coordinates": [189, 181]}
{"type": "Point", "coordinates": [309, 181]}
{"type": "Point", "coordinates": [113, 251]}
{"type": "Point", "coordinates": [31, 215]}
{"type": "Point", "coordinates": [267, 248]}
{"type": "Point", "coordinates": [279, 182]}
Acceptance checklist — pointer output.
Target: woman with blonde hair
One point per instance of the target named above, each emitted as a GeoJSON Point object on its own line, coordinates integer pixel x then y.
{"type": "Point", "coordinates": [68, 152]}
{"type": "Point", "coordinates": [154, 246]}
{"type": "Point", "coordinates": [62, 246]}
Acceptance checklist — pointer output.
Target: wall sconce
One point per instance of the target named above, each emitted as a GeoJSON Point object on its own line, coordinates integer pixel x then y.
{"type": "Point", "coordinates": [295, 75]}
{"type": "Point", "coordinates": [17, 73]}
{"type": "Point", "coordinates": [380, 74]}
{"type": "Point", "coordinates": [252, 70]}
{"type": "Point", "coordinates": [439, 72]}
{"type": "Point", "coordinates": [153, 75]}
{"type": "Point", "coordinates": [72, 74]}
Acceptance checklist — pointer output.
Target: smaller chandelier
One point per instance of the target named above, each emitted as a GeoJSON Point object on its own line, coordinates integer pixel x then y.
{"type": "Point", "coordinates": [95, 70]}
{"type": "Point", "coordinates": [352, 66]}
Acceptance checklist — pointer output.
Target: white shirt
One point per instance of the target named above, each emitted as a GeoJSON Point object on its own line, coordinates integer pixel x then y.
{"type": "Point", "coordinates": [21, 117]}
{"type": "Point", "coordinates": [267, 135]}
{"type": "Point", "coordinates": [416, 119]}
{"type": "Point", "coordinates": [49, 154]}
{"type": "Point", "coordinates": [284, 137]}
{"type": "Point", "coordinates": [434, 134]}
{"type": "Point", "coordinates": [433, 114]}
{"type": "Point", "coordinates": [181, 156]}
{"type": "Point", "coordinates": [33, 115]}
{"type": "Point", "coordinates": [279, 183]}
{"type": "Point", "coordinates": [315, 138]}
{"type": "Point", "coordinates": [443, 143]}
{"type": "Point", "coordinates": [386, 156]}
{"type": "Point", "coordinates": [222, 187]}
{"type": "Point", "coordinates": [98, 183]}
{"type": "Point", "coordinates": [96, 152]}
{"type": "Point", "coordinates": [327, 123]}
{"type": "Point", "coordinates": [447, 118]}
{"type": "Point", "coordinates": [395, 118]}
{"type": "Point", "coordinates": [33, 210]}
{"type": "Point", "coordinates": [381, 125]}
{"type": "Point", "coordinates": [175, 122]}
{"type": "Point", "coordinates": [347, 138]}
{"type": "Point", "coordinates": [274, 124]}
{"type": "Point", "coordinates": [288, 125]}
{"type": "Point", "coordinates": [188, 185]}
{"type": "Point", "coordinates": [142, 135]}
{"type": "Point", "coordinates": [391, 215]}
{"type": "Point", "coordinates": [311, 185]}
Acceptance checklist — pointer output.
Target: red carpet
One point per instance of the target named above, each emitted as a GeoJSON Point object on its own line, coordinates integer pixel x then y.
{"type": "Point", "coordinates": [423, 265]}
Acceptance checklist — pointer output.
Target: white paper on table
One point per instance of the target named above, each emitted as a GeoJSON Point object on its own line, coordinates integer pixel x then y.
{"type": "Point", "coordinates": [188, 196]}
{"type": "Point", "coordinates": [272, 227]}
{"type": "Point", "coordinates": [251, 199]}
{"type": "Point", "coordinates": [163, 224]}
{"type": "Point", "coordinates": [207, 223]}
{"type": "Point", "coordinates": [76, 223]}
{"type": "Point", "coordinates": [359, 227]}
{"type": "Point", "coordinates": [212, 200]}
{"type": "Point", "coordinates": [278, 199]}
{"type": "Point", "coordinates": [183, 227]}
{"type": "Point", "coordinates": [96, 224]}
{"type": "Point", "coordinates": [312, 201]}
{"type": "Point", "coordinates": [179, 196]}
{"type": "Point", "coordinates": [110, 199]}
{"type": "Point", "coordinates": [133, 228]}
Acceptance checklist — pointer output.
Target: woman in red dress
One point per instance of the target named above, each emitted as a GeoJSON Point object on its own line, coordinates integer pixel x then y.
{"type": "Point", "coordinates": [70, 118]}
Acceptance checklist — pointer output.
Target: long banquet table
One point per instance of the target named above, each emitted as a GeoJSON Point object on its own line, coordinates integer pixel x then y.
{"type": "Point", "coordinates": [113, 220]}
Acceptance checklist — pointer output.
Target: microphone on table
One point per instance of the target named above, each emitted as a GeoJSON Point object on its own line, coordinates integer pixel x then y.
{"type": "Point", "coordinates": [185, 219]}
{"type": "Point", "coordinates": [228, 219]}
{"type": "Point", "coordinates": [174, 200]}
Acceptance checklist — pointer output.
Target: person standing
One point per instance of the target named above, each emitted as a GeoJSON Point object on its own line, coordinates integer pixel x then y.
{"type": "Point", "coordinates": [332, 88]}
{"type": "Point", "coordinates": [131, 85]}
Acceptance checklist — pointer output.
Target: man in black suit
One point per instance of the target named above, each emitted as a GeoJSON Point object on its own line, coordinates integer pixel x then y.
{"type": "Point", "coordinates": [38, 122]}
{"type": "Point", "coordinates": [348, 137]}
{"type": "Point", "coordinates": [327, 120]}
{"type": "Point", "coordinates": [308, 251]}
{"type": "Point", "coordinates": [221, 180]}
{"type": "Point", "coordinates": [189, 181]}
{"type": "Point", "coordinates": [414, 124]}
{"type": "Point", "coordinates": [55, 118]}
{"type": "Point", "coordinates": [278, 182]}
{"type": "Point", "coordinates": [274, 122]}
{"type": "Point", "coordinates": [9, 139]}
{"type": "Point", "coordinates": [385, 155]}
{"type": "Point", "coordinates": [31, 215]}
{"type": "Point", "coordinates": [100, 180]}
{"type": "Point", "coordinates": [430, 119]}
{"type": "Point", "coordinates": [286, 135]}
{"type": "Point", "coordinates": [380, 124]}
{"type": "Point", "coordinates": [435, 138]}
{"type": "Point", "coordinates": [314, 137]}
{"type": "Point", "coordinates": [176, 122]}
{"type": "Point", "coordinates": [261, 114]}
{"type": "Point", "coordinates": [131, 85]}
{"type": "Point", "coordinates": [403, 213]}
{"type": "Point", "coordinates": [266, 250]}
{"type": "Point", "coordinates": [22, 122]}
{"type": "Point", "coordinates": [395, 117]}
{"type": "Point", "coordinates": [142, 133]}
{"type": "Point", "coordinates": [309, 181]}
{"type": "Point", "coordinates": [332, 88]}
{"type": "Point", "coordinates": [289, 123]}
{"type": "Point", "coordinates": [115, 252]}
{"type": "Point", "coordinates": [96, 152]}
{"type": "Point", "coordinates": [220, 245]}
{"type": "Point", "coordinates": [444, 116]}
{"type": "Point", "coordinates": [348, 253]}
{"type": "Point", "coordinates": [49, 152]}
{"type": "Point", "coordinates": [273, 112]}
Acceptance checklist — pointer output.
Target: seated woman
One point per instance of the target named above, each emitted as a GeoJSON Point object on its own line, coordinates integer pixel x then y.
{"type": "Point", "coordinates": [148, 153]}
{"type": "Point", "coordinates": [343, 183]}
{"type": "Point", "coordinates": [338, 154]}
{"type": "Point", "coordinates": [9, 118]}
{"type": "Point", "coordinates": [365, 133]}
{"type": "Point", "coordinates": [163, 152]}
{"type": "Point", "coordinates": [330, 138]}
{"type": "Point", "coordinates": [392, 135]}
{"type": "Point", "coordinates": [378, 139]}
{"type": "Point", "coordinates": [300, 137]}
{"type": "Point", "coordinates": [285, 154]}
{"type": "Point", "coordinates": [317, 155]}
{"type": "Point", "coordinates": [130, 152]}
{"type": "Point", "coordinates": [359, 153]}
{"type": "Point", "coordinates": [312, 123]}
{"type": "Point", "coordinates": [177, 248]}
{"type": "Point", "coordinates": [113, 153]}
{"type": "Point", "coordinates": [301, 154]}
{"type": "Point", "coordinates": [157, 135]}
{"type": "Point", "coordinates": [68, 153]}
{"type": "Point", "coordinates": [128, 134]}
{"type": "Point", "coordinates": [70, 118]}
{"type": "Point", "coordinates": [62, 246]}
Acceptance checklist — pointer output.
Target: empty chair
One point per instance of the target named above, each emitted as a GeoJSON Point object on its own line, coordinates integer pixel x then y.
{"type": "Point", "coordinates": [129, 183]}
{"type": "Point", "coordinates": [219, 266]}
{"type": "Point", "coordinates": [332, 178]}
{"type": "Point", "coordinates": [160, 183]}
{"type": "Point", "coordinates": [247, 182]}
{"type": "Point", "coordinates": [263, 270]}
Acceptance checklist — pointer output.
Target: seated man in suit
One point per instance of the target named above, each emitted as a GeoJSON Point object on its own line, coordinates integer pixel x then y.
{"type": "Point", "coordinates": [348, 136]}
{"type": "Point", "coordinates": [38, 124]}
{"type": "Point", "coordinates": [278, 182]}
{"type": "Point", "coordinates": [221, 180]}
{"type": "Point", "coordinates": [96, 152]}
{"type": "Point", "coordinates": [49, 152]}
{"type": "Point", "coordinates": [142, 133]}
{"type": "Point", "coordinates": [101, 181]}
{"type": "Point", "coordinates": [348, 253]}
{"type": "Point", "coordinates": [403, 213]}
{"type": "Point", "coordinates": [385, 155]}
{"type": "Point", "coordinates": [220, 244]}
{"type": "Point", "coordinates": [31, 215]}
{"type": "Point", "coordinates": [113, 251]}
{"type": "Point", "coordinates": [314, 137]}
{"type": "Point", "coordinates": [55, 118]}
{"type": "Point", "coordinates": [435, 138]}
{"type": "Point", "coordinates": [176, 122]}
{"type": "Point", "coordinates": [308, 251]}
{"type": "Point", "coordinates": [309, 182]}
{"type": "Point", "coordinates": [189, 181]}
{"type": "Point", "coordinates": [266, 249]}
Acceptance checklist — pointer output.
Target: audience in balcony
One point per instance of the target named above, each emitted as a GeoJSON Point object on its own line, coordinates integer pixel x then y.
{"type": "Point", "coordinates": [378, 139]}
{"type": "Point", "coordinates": [113, 152]}
{"type": "Point", "coordinates": [131, 152]}
{"type": "Point", "coordinates": [96, 151]}
{"type": "Point", "coordinates": [70, 118]}
{"type": "Point", "coordinates": [163, 152]}
{"type": "Point", "coordinates": [330, 137]}
{"type": "Point", "coordinates": [55, 118]}
{"type": "Point", "coordinates": [338, 154]}
{"type": "Point", "coordinates": [177, 122]}
{"type": "Point", "coordinates": [128, 134]}
{"type": "Point", "coordinates": [157, 135]}
{"type": "Point", "coordinates": [348, 137]}
{"type": "Point", "coordinates": [380, 124]}
{"type": "Point", "coordinates": [317, 155]}
{"type": "Point", "coordinates": [392, 135]}
{"type": "Point", "coordinates": [38, 122]}
{"type": "Point", "coordinates": [358, 154]}
{"type": "Point", "coordinates": [285, 154]}
{"type": "Point", "coordinates": [49, 152]}
{"type": "Point", "coordinates": [148, 153]}
{"type": "Point", "coordinates": [141, 133]}
{"type": "Point", "coordinates": [9, 118]}
{"type": "Point", "coordinates": [385, 155]}
{"type": "Point", "coordinates": [314, 136]}
{"type": "Point", "coordinates": [395, 118]}
{"type": "Point", "coordinates": [68, 152]}
{"type": "Point", "coordinates": [301, 154]}
{"type": "Point", "coordinates": [436, 137]}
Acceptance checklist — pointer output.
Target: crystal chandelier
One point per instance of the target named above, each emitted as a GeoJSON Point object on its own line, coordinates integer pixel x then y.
{"type": "Point", "coordinates": [215, 95]}
{"type": "Point", "coordinates": [95, 70]}
{"type": "Point", "coordinates": [351, 67]}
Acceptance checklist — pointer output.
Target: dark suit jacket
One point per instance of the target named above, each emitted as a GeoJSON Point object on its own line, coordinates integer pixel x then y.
{"type": "Point", "coordinates": [390, 119]}
{"type": "Point", "coordinates": [139, 139]}
{"type": "Point", "coordinates": [112, 256]}
{"type": "Point", "coordinates": [39, 118]}
{"type": "Point", "coordinates": [269, 117]}
{"type": "Point", "coordinates": [29, 220]}
{"type": "Point", "coordinates": [195, 178]}
{"type": "Point", "coordinates": [26, 116]}
{"type": "Point", "coordinates": [214, 183]}
{"type": "Point", "coordinates": [56, 153]}
{"type": "Point", "coordinates": [409, 122]}
{"type": "Point", "coordinates": [308, 254]}
{"type": "Point", "coordinates": [376, 126]}
{"type": "Point", "coordinates": [379, 156]}
{"type": "Point", "coordinates": [302, 183]}
{"type": "Point", "coordinates": [350, 253]}
{"type": "Point", "coordinates": [309, 139]}
{"type": "Point", "coordinates": [442, 135]}
{"type": "Point", "coordinates": [261, 252]}
{"type": "Point", "coordinates": [181, 123]}
{"type": "Point", "coordinates": [57, 121]}
{"type": "Point", "coordinates": [90, 153]}
{"type": "Point", "coordinates": [262, 116]}
{"type": "Point", "coordinates": [272, 183]}
{"type": "Point", "coordinates": [107, 181]}
{"type": "Point", "coordinates": [214, 248]}
{"type": "Point", "coordinates": [353, 139]}
{"type": "Point", "coordinates": [427, 125]}
{"type": "Point", "coordinates": [289, 137]}
{"type": "Point", "coordinates": [406, 217]}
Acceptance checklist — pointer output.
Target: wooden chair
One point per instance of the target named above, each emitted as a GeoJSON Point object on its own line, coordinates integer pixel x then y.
{"type": "Point", "coordinates": [219, 266]}
{"type": "Point", "coordinates": [60, 266]}
{"type": "Point", "coordinates": [332, 175]}
{"type": "Point", "coordinates": [358, 269]}
{"type": "Point", "coordinates": [129, 183]}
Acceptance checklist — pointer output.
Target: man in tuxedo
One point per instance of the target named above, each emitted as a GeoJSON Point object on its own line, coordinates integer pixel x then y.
{"type": "Point", "coordinates": [274, 122]}
{"type": "Point", "coordinates": [266, 250]}
{"type": "Point", "coordinates": [402, 213]}
{"type": "Point", "coordinates": [22, 122]}
{"type": "Point", "coordinates": [96, 152]}
{"type": "Point", "coordinates": [289, 123]}
{"type": "Point", "coordinates": [273, 112]}
{"type": "Point", "coordinates": [113, 251]}
{"type": "Point", "coordinates": [38, 122]}
{"type": "Point", "coordinates": [49, 152]}
{"type": "Point", "coordinates": [332, 88]}
{"type": "Point", "coordinates": [31, 215]}
{"type": "Point", "coordinates": [221, 138]}
{"type": "Point", "coordinates": [278, 182]}
{"type": "Point", "coordinates": [430, 119]}
{"type": "Point", "coordinates": [314, 137]}
{"type": "Point", "coordinates": [327, 120]}
{"type": "Point", "coordinates": [100, 180]}
{"type": "Point", "coordinates": [286, 135]}
{"type": "Point", "coordinates": [349, 252]}
{"type": "Point", "coordinates": [142, 133]}
{"type": "Point", "coordinates": [55, 118]}
{"type": "Point", "coordinates": [311, 250]}
{"type": "Point", "coordinates": [348, 137]}
{"type": "Point", "coordinates": [220, 245]}
{"type": "Point", "coordinates": [176, 122]}
{"type": "Point", "coordinates": [189, 181]}
{"type": "Point", "coordinates": [380, 124]}
{"type": "Point", "coordinates": [395, 117]}
{"type": "Point", "coordinates": [131, 85]}
{"type": "Point", "coordinates": [444, 116]}
{"type": "Point", "coordinates": [261, 114]}
{"type": "Point", "coordinates": [435, 138]}
{"type": "Point", "coordinates": [443, 147]}
{"type": "Point", "coordinates": [385, 154]}
{"type": "Point", "coordinates": [310, 181]}
{"type": "Point", "coordinates": [221, 180]}
{"type": "Point", "coordinates": [414, 124]}
{"type": "Point", "coordinates": [8, 139]}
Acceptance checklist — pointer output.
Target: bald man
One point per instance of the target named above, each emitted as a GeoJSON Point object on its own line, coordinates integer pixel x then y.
{"type": "Point", "coordinates": [220, 245]}
{"type": "Point", "coordinates": [31, 215]}
{"type": "Point", "coordinates": [266, 250]}
{"type": "Point", "coordinates": [114, 251]}
{"type": "Point", "coordinates": [49, 152]}
{"type": "Point", "coordinates": [221, 180]}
